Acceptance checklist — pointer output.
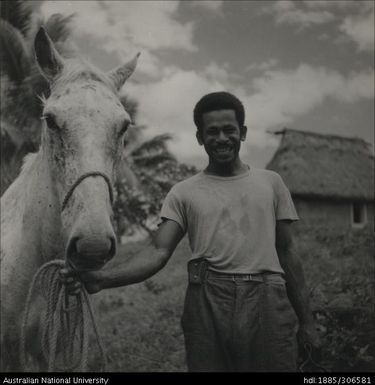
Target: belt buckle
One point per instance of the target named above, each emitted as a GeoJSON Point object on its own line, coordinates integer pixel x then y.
{"type": "Point", "coordinates": [247, 277]}
{"type": "Point", "coordinates": [242, 277]}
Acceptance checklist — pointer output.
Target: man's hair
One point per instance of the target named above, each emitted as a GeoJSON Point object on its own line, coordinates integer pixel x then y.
{"type": "Point", "coordinates": [218, 101]}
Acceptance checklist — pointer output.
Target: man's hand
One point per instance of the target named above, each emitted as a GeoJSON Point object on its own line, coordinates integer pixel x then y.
{"type": "Point", "coordinates": [310, 352]}
{"type": "Point", "coordinates": [296, 285]}
{"type": "Point", "coordinates": [126, 270]}
{"type": "Point", "coordinates": [73, 281]}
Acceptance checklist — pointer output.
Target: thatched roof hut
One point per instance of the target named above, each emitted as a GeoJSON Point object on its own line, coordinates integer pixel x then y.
{"type": "Point", "coordinates": [325, 166]}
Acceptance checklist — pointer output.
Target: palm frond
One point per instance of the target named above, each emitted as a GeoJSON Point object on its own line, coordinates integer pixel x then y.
{"type": "Point", "coordinates": [11, 139]}
{"type": "Point", "coordinates": [39, 86]}
{"type": "Point", "coordinates": [9, 172]}
{"type": "Point", "coordinates": [20, 108]}
{"type": "Point", "coordinates": [155, 145]}
{"type": "Point", "coordinates": [150, 160]}
{"type": "Point", "coordinates": [17, 13]}
{"type": "Point", "coordinates": [59, 28]}
{"type": "Point", "coordinates": [125, 174]}
{"type": "Point", "coordinates": [133, 138]}
{"type": "Point", "coordinates": [14, 54]}
{"type": "Point", "coordinates": [21, 104]}
{"type": "Point", "coordinates": [14, 146]}
{"type": "Point", "coordinates": [131, 106]}
{"type": "Point", "coordinates": [22, 83]}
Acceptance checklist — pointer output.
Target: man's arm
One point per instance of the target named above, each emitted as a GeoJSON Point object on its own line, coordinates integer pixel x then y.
{"type": "Point", "coordinates": [136, 268]}
{"type": "Point", "coordinates": [295, 282]}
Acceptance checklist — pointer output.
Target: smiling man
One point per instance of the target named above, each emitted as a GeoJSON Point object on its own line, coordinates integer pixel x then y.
{"type": "Point", "coordinates": [246, 292]}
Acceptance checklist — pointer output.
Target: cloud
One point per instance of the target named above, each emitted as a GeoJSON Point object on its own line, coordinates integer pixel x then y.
{"type": "Point", "coordinates": [360, 29]}
{"type": "Point", "coordinates": [150, 25]}
{"type": "Point", "coordinates": [356, 87]}
{"type": "Point", "coordinates": [277, 98]}
{"type": "Point", "coordinates": [333, 5]}
{"type": "Point", "coordinates": [354, 19]}
{"type": "Point", "coordinates": [288, 12]}
{"type": "Point", "coordinates": [221, 73]}
{"type": "Point", "coordinates": [280, 97]}
{"type": "Point", "coordinates": [263, 66]}
{"type": "Point", "coordinates": [209, 5]}
{"type": "Point", "coordinates": [127, 27]}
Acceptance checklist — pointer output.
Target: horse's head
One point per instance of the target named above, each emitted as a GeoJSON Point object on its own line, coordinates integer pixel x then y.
{"type": "Point", "coordinates": [82, 141]}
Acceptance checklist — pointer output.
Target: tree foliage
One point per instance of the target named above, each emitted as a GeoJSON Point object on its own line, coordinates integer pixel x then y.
{"type": "Point", "coordinates": [156, 170]}
{"type": "Point", "coordinates": [340, 270]}
{"type": "Point", "coordinates": [21, 82]}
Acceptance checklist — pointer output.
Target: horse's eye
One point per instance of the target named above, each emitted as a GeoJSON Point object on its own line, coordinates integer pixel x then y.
{"type": "Point", "coordinates": [51, 122]}
{"type": "Point", "coordinates": [124, 127]}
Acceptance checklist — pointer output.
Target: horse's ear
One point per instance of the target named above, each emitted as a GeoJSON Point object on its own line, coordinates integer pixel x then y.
{"type": "Point", "coordinates": [119, 75]}
{"type": "Point", "coordinates": [49, 60]}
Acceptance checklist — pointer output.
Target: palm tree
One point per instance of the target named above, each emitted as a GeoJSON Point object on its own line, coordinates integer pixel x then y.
{"type": "Point", "coordinates": [144, 176]}
{"type": "Point", "coordinates": [21, 82]}
{"type": "Point", "coordinates": [155, 170]}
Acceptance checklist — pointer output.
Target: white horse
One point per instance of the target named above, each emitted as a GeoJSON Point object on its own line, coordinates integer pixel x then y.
{"type": "Point", "coordinates": [60, 204]}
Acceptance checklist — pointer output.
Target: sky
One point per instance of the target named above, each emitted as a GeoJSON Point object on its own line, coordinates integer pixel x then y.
{"type": "Point", "coordinates": [306, 65]}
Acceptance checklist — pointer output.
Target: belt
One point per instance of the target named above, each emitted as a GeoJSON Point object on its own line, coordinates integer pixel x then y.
{"type": "Point", "coordinates": [258, 277]}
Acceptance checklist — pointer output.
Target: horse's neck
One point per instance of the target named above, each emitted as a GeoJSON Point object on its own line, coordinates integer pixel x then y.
{"type": "Point", "coordinates": [33, 209]}
{"type": "Point", "coordinates": [30, 227]}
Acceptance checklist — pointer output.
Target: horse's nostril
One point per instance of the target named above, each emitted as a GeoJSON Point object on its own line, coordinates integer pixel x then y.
{"type": "Point", "coordinates": [94, 246]}
{"type": "Point", "coordinates": [112, 250]}
{"type": "Point", "coordinates": [72, 246]}
{"type": "Point", "coordinates": [91, 252]}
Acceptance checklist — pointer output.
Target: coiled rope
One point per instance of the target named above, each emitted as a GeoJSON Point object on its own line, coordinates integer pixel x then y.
{"type": "Point", "coordinates": [309, 364]}
{"type": "Point", "coordinates": [65, 325]}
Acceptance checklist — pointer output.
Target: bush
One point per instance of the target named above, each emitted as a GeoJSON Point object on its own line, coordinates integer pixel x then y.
{"type": "Point", "coordinates": [339, 269]}
{"type": "Point", "coordinates": [140, 208]}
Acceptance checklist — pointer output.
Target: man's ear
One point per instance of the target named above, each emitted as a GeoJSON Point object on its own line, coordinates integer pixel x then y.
{"type": "Point", "coordinates": [198, 135]}
{"type": "Point", "coordinates": [243, 133]}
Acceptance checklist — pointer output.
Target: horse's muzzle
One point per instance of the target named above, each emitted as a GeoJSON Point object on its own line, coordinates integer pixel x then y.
{"type": "Point", "coordinates": [90, 252]}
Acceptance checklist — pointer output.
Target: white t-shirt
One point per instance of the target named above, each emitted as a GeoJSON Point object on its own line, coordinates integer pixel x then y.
{"type": "Point", "coordinates": [231, 221]}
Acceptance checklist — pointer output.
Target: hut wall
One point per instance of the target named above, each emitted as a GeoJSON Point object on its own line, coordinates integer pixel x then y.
{"type": "Point", "coordinates": [335, 214]}
{"type": "Point", "coordinates": [370, 214]}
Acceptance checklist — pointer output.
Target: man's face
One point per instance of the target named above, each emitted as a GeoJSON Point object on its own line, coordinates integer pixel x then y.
{"type": "Point", "coordinates": [221, 135]}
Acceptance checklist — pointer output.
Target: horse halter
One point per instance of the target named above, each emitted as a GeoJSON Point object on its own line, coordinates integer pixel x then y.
{"type": "Point", "coordinates": [80, 179]}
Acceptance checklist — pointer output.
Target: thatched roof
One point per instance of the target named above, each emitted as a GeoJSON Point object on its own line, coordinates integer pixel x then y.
{"type": "Point", "coordinates": [324, 166]}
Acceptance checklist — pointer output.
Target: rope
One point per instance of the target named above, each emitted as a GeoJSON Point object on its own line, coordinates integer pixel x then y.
{"type": "Point", "coordinates": [65, 325]}
{"type": "Point", "coordinates": [306, 364]}
{"type": "Point", "coordinates": [80, 179]}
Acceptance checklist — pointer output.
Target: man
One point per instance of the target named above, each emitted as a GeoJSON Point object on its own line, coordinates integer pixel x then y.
{"type": "Point", "coordinates": [238, 313]}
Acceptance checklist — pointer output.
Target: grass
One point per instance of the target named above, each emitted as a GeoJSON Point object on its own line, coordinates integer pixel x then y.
{"type": "Point", "coordinates": [340, 273]}
{"type": "Point", "coordinates": [140, 324]}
